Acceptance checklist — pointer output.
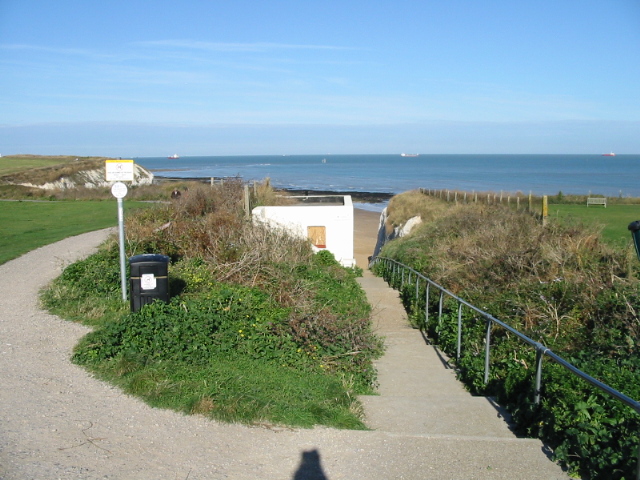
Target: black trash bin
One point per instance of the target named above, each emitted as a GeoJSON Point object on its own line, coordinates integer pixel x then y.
{"type": "Point", "coordinates": [634, 228]}
{"type": "Point", "coordinates": [149, 280]}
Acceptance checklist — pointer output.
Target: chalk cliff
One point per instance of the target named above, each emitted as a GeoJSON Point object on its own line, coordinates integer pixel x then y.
{"type": "Point", "coordinates": [91, 178]}
{"type": "Point", "coordinates": [386, 234]}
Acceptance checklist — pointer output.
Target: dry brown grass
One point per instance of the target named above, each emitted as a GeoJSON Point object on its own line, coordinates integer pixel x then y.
{"type": "Point", "coordinates": [549, 277]}
{"type": "Point", "coordinates": [482, 246]}
{"type": "Point", "coordinates": [209, 223]}
{"type": "Point", "coordinates": [411, 204]}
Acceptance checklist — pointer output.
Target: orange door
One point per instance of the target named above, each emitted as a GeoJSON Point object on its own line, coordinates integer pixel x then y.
{"type": "Point", "coordinates": [318, 236]}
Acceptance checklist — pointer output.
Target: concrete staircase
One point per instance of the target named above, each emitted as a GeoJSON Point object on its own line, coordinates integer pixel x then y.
{"type": "Point", "coordinates": [420, 397]}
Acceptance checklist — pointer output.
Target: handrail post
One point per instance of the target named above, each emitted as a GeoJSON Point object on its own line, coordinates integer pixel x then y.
{"type": "Point", "coordinates": [459, 331]}
{"type": "Point", "coordinates": [539, 355]}
{"type": "Point", "coordinates": [487, 351]}
{"type": "Point", "coordinates": [426, 307]}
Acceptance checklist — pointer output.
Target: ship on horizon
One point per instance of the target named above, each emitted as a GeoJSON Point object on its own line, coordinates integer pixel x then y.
{"type": "Point", "coordinates": [409, 154]}
{"type": "Point", "coordinates": [174, 156]}
{"type": "Point", "coordinates": [610, 154]}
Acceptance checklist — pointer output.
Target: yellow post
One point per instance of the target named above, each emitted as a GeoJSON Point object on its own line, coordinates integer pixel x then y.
{"type": "Point", "coordinates": [545, 209]}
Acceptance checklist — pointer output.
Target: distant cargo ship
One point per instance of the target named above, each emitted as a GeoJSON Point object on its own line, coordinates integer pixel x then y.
{"type": "Point", "coordinates": [409, 154]}
{"type": "Point", "coordinates": [610, 154]}
{"type": "Point", "coordinates": [174, 156]}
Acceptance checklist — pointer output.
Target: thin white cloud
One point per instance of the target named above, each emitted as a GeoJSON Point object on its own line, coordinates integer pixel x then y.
{"type": "Point", "coordinates": [236, 47]}
{"type": "Point", "coordinates": [45, 49]}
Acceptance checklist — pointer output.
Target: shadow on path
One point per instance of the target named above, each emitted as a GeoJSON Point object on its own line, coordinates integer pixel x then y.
{"type": "Point", "coordinates": [310, 468]}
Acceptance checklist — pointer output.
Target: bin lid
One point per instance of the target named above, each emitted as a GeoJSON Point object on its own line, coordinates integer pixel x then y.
{"type": "Point", "coordinates": [149, 257]}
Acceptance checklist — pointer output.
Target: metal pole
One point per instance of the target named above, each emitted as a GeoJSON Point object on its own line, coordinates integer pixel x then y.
{"type": "Point", "coordinates": [426, 306]}
{"type": "Point", "coordinates": [539, 355]}
{"type": "Point", "coordinates": [459, 330]}
{"type": "Point", "coordinates": [123, 271]}
{"type": "Point", "coordinates": [487, 352]}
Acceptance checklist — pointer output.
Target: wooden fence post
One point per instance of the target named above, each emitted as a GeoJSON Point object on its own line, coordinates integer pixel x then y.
{"type": "Point", "coordinates": [247, 205]}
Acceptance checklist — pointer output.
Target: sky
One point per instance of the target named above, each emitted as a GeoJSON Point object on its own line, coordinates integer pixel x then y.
{"type": "Point", "coordinates": [133, 78]}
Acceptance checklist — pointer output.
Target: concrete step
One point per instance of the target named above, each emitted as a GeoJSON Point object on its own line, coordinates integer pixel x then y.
{"type": "Point", "coordinates": [461, 417]}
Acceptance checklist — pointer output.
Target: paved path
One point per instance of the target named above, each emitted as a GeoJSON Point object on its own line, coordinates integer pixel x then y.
{"type": "Point", "coordinates": [57, 422]}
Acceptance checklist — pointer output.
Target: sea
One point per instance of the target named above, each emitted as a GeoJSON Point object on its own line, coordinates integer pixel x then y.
{"type": "Point", "coordinates": [393, 173]}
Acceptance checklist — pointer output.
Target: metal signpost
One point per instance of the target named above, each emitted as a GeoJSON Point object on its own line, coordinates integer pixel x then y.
{"type": "Point", "coordinates": [120, 171]}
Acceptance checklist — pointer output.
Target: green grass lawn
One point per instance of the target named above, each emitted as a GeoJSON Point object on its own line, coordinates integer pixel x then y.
{"type": "Point", "coordinates": [28, 225]}
{"type": "Point", "coordinates": [613, 218]}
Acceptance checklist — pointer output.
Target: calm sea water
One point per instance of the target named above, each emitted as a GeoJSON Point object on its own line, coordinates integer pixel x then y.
{"type": "Point", "coordinates": [540, 174]}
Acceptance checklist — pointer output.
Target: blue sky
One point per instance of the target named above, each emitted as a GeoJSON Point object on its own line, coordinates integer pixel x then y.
{"type": "Point", "coordinates": [146, 78]}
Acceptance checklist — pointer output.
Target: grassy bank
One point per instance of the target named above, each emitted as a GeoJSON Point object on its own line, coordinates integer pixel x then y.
{"type": "Point", "coordinates": [561, 285]}
{"type": "Point", "coordinates": [259, 329]}
{"type": "Point", "coordinates": [611, 221]}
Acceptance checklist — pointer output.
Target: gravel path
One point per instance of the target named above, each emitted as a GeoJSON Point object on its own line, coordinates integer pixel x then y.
{"type": "Point", "coordinates": [57, 422]}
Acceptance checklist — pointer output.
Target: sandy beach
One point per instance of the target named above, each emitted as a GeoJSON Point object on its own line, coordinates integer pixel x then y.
{"type": "Point", "coordinates": [365, 234]}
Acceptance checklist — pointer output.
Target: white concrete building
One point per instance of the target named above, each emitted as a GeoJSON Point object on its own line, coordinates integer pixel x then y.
{"type": "Point", "coordinates": [326, 220]}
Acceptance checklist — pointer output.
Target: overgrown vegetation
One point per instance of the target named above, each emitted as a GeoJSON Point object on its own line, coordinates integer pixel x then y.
{"type": "Point", "coordinates": [613, 219]}
{"type": "Point", "coordinates": [259, 329]}
{"type": "Point", "coordinates": [560, 285]}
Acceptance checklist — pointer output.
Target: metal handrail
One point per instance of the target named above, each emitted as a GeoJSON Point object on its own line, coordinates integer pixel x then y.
{"type": "Point", "coordinates": [540, 349]}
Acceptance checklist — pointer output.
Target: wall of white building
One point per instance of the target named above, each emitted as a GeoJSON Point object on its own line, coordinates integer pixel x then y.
{"type": "Point", "coordinates": [337, 220]}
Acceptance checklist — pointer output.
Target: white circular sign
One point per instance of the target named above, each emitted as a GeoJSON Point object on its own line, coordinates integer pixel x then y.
{"type": "Point", "coordinates": [119, 190]}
